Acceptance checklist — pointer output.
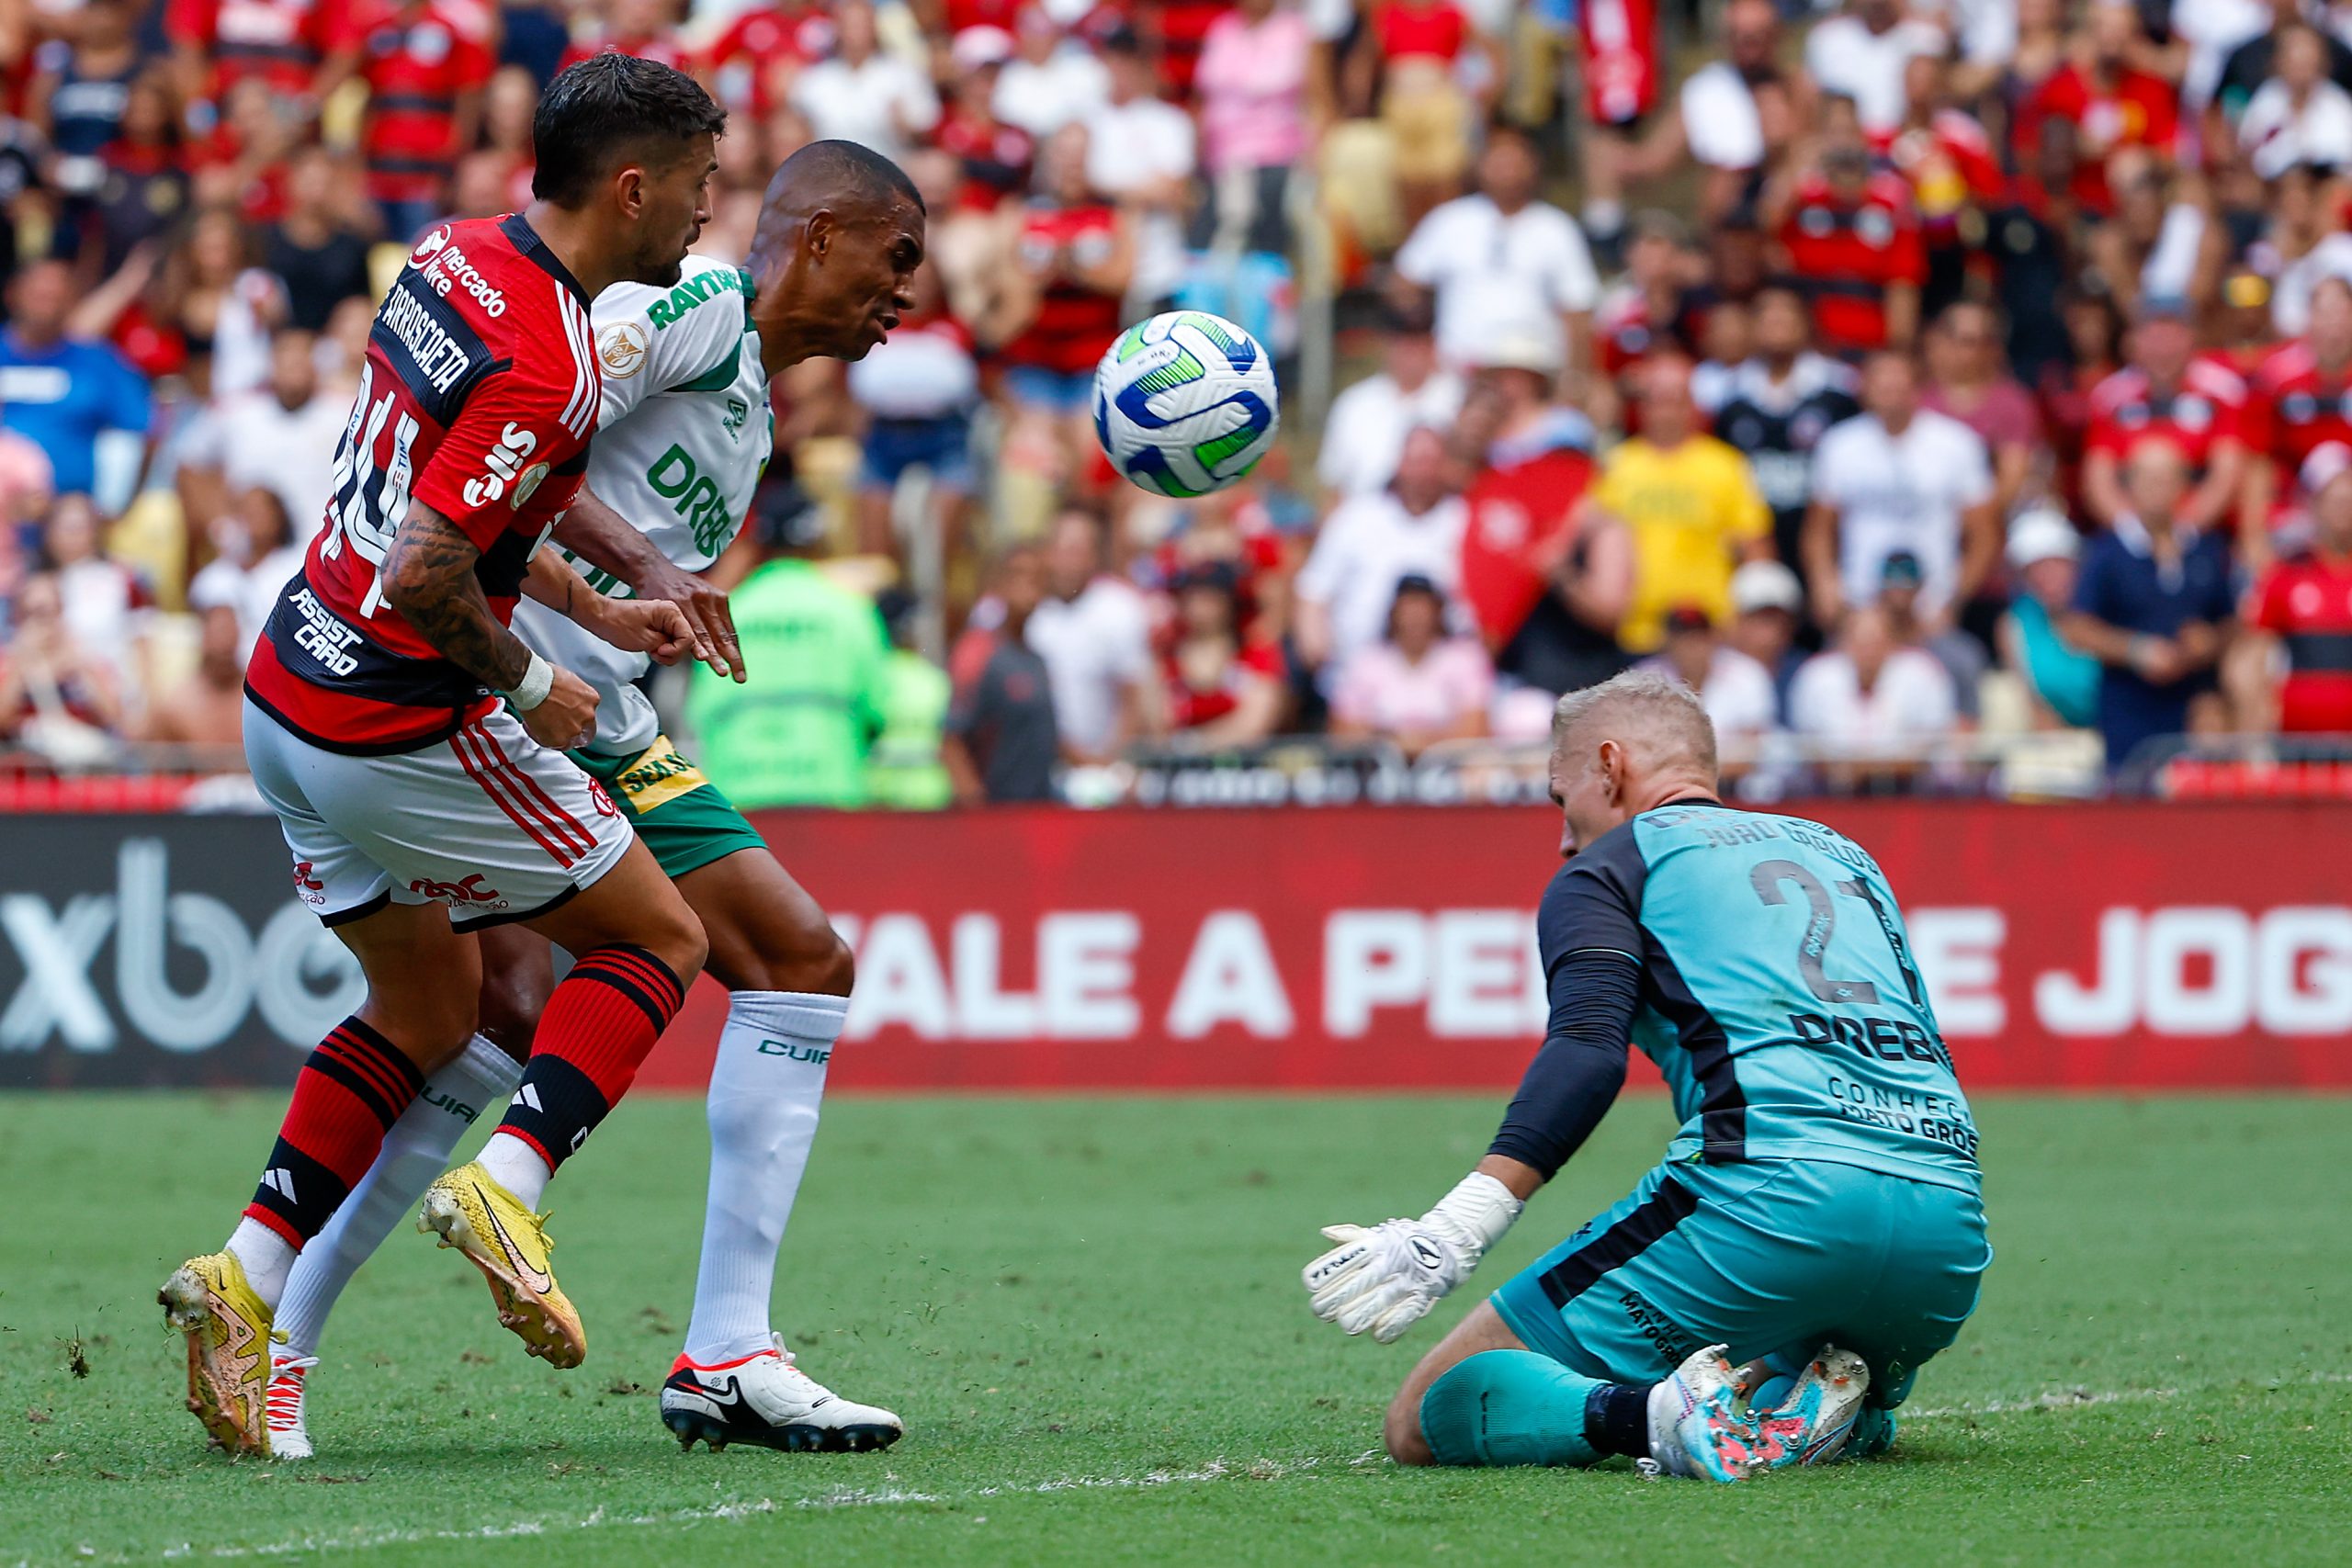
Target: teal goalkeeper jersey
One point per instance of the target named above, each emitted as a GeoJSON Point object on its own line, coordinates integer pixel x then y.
{"type": "Point", "coordinates": [1777, 992]}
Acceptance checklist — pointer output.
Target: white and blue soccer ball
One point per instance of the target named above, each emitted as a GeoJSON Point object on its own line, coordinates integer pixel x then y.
{"type": "Point", "coordinates": [1185, 403]}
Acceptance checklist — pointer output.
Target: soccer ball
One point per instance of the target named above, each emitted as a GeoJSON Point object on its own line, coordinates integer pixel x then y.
{"type": "Point", "coordinates": [1184, 403]}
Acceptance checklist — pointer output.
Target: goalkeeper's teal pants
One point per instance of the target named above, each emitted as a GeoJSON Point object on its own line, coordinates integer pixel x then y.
{"type": "Point", "coordinates": [1772, 1258]}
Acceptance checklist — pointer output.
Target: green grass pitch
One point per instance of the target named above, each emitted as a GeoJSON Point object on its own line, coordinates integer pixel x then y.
{"type": "Point", "coordinates": [1088, 1312]}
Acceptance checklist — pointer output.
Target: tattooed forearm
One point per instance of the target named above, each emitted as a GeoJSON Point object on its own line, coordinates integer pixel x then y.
{"type": "Point", "coordinates": [429, 578]}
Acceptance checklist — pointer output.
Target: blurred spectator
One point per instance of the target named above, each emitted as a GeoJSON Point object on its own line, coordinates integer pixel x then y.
{"type": "Point", "coordinates": [1869, 698]}
{"type": "Point", "coordinates": [207, 707]}
{"type": "Point", "coordinates": [2093, 352]}
{"type": "Point", "coordinates": [106, 605]}
{"type": "Point", "coordinates": [316, 250]}
{"type": "Point", "coordinates": [796, 735]}
{"type": "Point", "coordinates": [2300, 655]}
{"type": "Point", "coordinates": [2044, 552]}
{"type": "Point", "coordinates": [2154, 605]}
{"type": "Point", "coordinates": [1052, 79]}
{"type": "Point", "coordinates": [1644, 313]}
{"type": "Point", "coordinates": [81, 87]}
{"type": "Point", "coordinates": [1687, 500]}
{"type": "Point", "coordinates": [2168, 390]}
{"type": "Point", "coordinates": [143, 191]}
{"type": "Point", "coordinates": [903, 768]}
{"type": "Point", "coordinates": [1861, 55]}
{"type": "Point", "coordinates": [281, 437]}
{"type": "Point", "coordinates": [1768, 607]}
{"type": "Point", "coordinates": [77, 401]}
{"type": "Point", "coordinates": [1901, 582]}
{"type": "Point", "coordinates": [993, 154]}
{"type": "Point", "coordinates": [257, 553]}
{"type": "Point", "coordinates": [1252, 87]}
{"type": "Point", "coordinates": [56, 697]}
{"type": "Point", "coordinates": [1140, 152]}
{"type": "Point", "coordinates": [220, 304]}
{"type": "Point", "coordinates": [1965, 382]}
{"type": "Point", "coordinates": [1899, 477]}
{"type": "Point", "coordinates": [1734, 112]}
{"type": "Point", "coordinates": [2099, 101]}
{"type": "Point", "coordinates": [1411, 57]}
{"type": "Point", "coordinates": [1221, 690]}
{"type": "Point", "coordinates": [1417, 685]}
{"type": "Point", "coordinates": [749, 65]}
{"type": "Point", "coordinates": [424, 63]}
{"type": "Point", "coordinates": [1850, 238]}
{"type": "Point", "coordinates": [1001, 743]}
{"type": "Point", "coordinates": [1499, 259]}
{"type": "Point", "coordinates": [2299, 399]}
{"type": "Point", "coordinates": [1777, 408]}
{"type": "Point", "coordinates": [1369, 544]}
{"type": "Point", "coordinates": [919, 387]}
{"type": "Point", "coordinates": [2255, 57]}
{"type": "Point", "coordinates": [1094, 633]}
{"type": "Point", "coordinates": [2298, 116]}
{"type": "Point", "coordinates": [28, 484]}
{"type": "Point", "coordinates": [1736, 690]}
{"type": "Point", "coordinates": [1365, 430]}
{"type": "Point", "coordinates": [863, 95]}
{"type": "Point", "coordinates": [278, 43]}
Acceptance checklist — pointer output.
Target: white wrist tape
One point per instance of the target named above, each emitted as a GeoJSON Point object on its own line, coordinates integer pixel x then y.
{"type": "Point", "coordinates": [1480, 1208]}
{"type": "Point", "coordinates": [532, 690]}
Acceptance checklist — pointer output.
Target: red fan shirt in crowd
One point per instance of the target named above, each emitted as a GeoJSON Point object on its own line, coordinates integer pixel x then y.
{"type": "Point", "coordinates": [262, 197]}
{"type": "Point", "coordinates": [1518, 530]}
{"type": "Point", "coordinates": [2208, 406]}
{"type": "Point", "coordinates": [477, 397]}
{"type": "Point", "coordinates": [995, 156]}
{"type": "Point", "coordinates": [2306, 603]}
{"type": "Point", "coordinates": [418, 57]}
{"type": "Point", "coordinates": [1626, 327]}
{"type": "Point", "coordinates": [1074, 323]}
{"type": "Point", "coordinates": [2138, 110]}
{"type": "Point", "coordinates": [1621, 67]}
{"type": "Point", "coordinates": [156, 347]}
{"type": "Point", "coordinates": [1420, 30]}
{"type": "Point", "coordinates": [1190, 707]}
{"type": "Point", "coordinates": [1004, 13]}
{"type": "Point", "coordinates": [1950, 165]}
{"type": "Point", "coordinates": [2293, 408]}
{"type": "Point", "coordinates": [1845, 251]}
{"type": "Point", "coordinates": [749, 63]}
{"type": "Point", "coordinates": [282, 41]}
{"type": "Point", "coordinates": [1181, 27]}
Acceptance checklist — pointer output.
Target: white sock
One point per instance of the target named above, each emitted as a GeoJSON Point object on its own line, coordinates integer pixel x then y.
{"type": "Point", "coordinates": [266, 1257]}
{"type": "Point", "coordinates": [515, 1166]}
{"type": "Point", "coordinates": [416, 1151]}
{"type": "Point", "coordinates": [765, 1089]}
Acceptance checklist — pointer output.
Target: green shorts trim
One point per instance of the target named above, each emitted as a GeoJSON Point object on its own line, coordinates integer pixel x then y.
{"type": "Point", "coordinates": [680, 814]}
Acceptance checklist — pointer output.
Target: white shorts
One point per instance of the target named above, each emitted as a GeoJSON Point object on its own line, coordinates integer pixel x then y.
{"type": "Point", "coordinates": [489, 822]}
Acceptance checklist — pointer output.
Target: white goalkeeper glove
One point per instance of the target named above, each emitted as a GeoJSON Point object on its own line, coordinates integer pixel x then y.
{"type": "Point", "coordinates": [1384, 1278]}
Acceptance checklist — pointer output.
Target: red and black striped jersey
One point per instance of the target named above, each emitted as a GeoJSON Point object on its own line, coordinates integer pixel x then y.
{"type": "Point", "coordinates": [477, 399]}
{"type": "Point", "coordinates": [1845, 251]}
{"type": "Point", "coordinates": [2209, 406]}
{"type": "Point", "coordinates": [2295, 407]}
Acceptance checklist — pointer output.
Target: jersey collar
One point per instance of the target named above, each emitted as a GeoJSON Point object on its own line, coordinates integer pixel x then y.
{"type": "Point", "coordinates": [526, 242]}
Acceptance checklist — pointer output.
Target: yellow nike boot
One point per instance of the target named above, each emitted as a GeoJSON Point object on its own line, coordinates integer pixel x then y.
{"type": "Point", "coordinates": [471, 1212]}
{"type": "Point", "coordinates": [208, 1300]}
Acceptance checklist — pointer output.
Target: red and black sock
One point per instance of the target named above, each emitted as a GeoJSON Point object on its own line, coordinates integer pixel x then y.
{"type": "Point", "coordinates": [353, 1088]}
{"type": "Point", "coordinates": [597, 1032]}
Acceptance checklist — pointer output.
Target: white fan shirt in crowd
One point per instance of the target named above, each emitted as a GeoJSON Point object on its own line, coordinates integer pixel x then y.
{"type": "Point", "coordinates": [2277, 133]}
{"type": "Point", "coordinates": [1364, 433]}
{"type": "Point", "coordinates": [1738, 695]}
{"type": "Point", "coordinates": [682, 434]}
{"type": "Point", "coordinates": [866, 103]}
{"type": "Point", "coordinates": [2171, 266]}
{"type": "Point", "coordinates": [1720, 119]}
{"type": "Point", "coordinates": [1900, 492]}
{"type": "Point", "coordinates": [2290, 297]}
{"type": "Point", "coordinates": [1846, 57]}
{"type": "Point", "coordinates": [104, 610]}
{"type": "Point", "coordinates": [257, 442]}
{"type": "Point", "coordinates": [251, 590]}
{"type": "Point", "coordinates": [2211, 30]}
{"type": "Point", "coordinates": [1040, 100]}
{"type": "Point", "coordinates": [1134, 144]}
{"type": "Point", "coordinates": [1493, 272]}
{"type": "Point", "coordinates": [917, 372]}
{"type": "Point", "coordinates": [1366, 545]}
{"type": "Point", "coordinates": [1094, 648]}
{"type": "Point", "coordinates": [1911, 700]}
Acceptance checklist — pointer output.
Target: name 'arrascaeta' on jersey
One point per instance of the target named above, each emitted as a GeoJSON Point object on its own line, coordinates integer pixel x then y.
{"type": "Point", "coordinates": [483, 333]}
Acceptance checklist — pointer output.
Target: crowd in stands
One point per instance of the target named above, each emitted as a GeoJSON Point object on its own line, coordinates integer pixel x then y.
{"type": "Point", "coordinates": [1894, 373]}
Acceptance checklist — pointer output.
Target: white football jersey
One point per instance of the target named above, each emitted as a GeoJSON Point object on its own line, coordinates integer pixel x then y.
{"type": "Point", "coordinates": [682, 438]}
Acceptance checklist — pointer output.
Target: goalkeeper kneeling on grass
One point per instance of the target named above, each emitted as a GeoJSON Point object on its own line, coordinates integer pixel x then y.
{"type": "Point", "coordinates": [1765, 1296]}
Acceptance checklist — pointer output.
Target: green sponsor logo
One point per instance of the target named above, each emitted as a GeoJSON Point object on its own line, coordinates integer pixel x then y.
{"type": "Point", "coordinates": [695, 497]}
{"type": "Point", "coordinates": [816, 1055]}
{"type": "Point", "coordinates": [690, 292]}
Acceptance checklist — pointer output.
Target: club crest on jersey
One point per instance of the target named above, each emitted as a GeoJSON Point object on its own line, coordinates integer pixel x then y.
{"type": "Point", "coordinates": [504, 462]}
{"type": "Point", "coordinates": [621, 348]}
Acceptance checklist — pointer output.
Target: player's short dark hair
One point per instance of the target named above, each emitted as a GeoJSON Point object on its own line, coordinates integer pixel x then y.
{"type": "Point", "coordinates": [851, 169]}
{"type": "Point", "coordinates": [606, 110]}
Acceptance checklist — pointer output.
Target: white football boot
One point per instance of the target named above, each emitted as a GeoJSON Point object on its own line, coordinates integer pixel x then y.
{"type": "Point", "coordinates": [764, 1398]}
{"type": "Point", "coordinates": [1811, 1424]}
{"type": "Point", "coordinates": [289, 1439]}
{"type": "Point", "coordinates": [1697, 1427]}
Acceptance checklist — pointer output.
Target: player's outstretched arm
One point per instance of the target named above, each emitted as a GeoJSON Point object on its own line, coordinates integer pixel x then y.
{"type": "Point", "coordinates": [603, 538]}
{"type": "Point", "coordinates": [428, 577]}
